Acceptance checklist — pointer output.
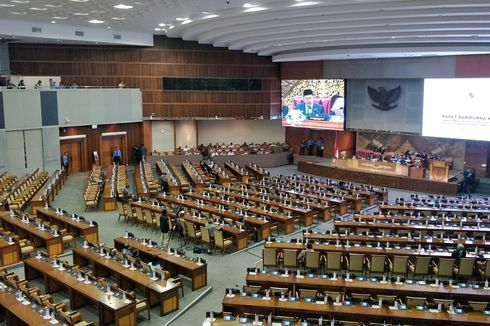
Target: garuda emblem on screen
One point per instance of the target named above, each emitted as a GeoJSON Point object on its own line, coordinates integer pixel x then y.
{"type": "Point", "coordinates": [384, 100]}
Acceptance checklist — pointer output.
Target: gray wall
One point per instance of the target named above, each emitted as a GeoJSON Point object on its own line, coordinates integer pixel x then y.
{"type": "Point", "coordinates": [444, 66]}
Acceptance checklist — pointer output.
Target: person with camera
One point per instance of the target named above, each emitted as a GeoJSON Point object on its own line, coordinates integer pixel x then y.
{"type": "Point", "coordinates": [468, 180]}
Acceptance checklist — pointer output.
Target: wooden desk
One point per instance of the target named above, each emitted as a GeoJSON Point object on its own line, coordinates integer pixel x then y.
{"type": "Point", "coordinates": [238, 304]}
{"type": "Point", "coordinates": [369, 250]}
{"type": "Point", "coordinates": [163, 168]}
{"type": "Point", "coordinates": [196, 272]}
{"type": "Point", "coordinates": [257, 171]}
{"type": "Point", "coordinates": [89, 232]}
{"type": "Point", "coordinates": [110, 190]}
{"type": "Point", "coordinates": [162, 292]}
{"type": "Point", "coordinates": [9, 253]}
{"type": "Point", "coordinates": [305, 214]}
{"type": "Point", "coordinates": [410, 227]}
{"type": "Point", "coordinates": [138, 182]}
{"type": "Point", "coordinates": [264, 227]}
{"type": "Point", "coordinates": [409, 207]}
{"type": "Point", "coordinates": [241, 174]}
{"type": "Point", "coordinates": [47, 193]}
{"type": "Point", "coordinates": [240, 238]}
{"type": "Point", "coordinates": [53, 244]}
{"type": "Point", "coordinates": [110, 311]}
{"type": "Point", "coordinates": [287, 222]}
{"type": "Point", "coordinates": [292, 282]}
{"type": "Point", "coordinates": [18, 314]}
{"type": "Point", "coordinates": [189, 172]}
{"type": "Point", "coordinates": [402, 240]}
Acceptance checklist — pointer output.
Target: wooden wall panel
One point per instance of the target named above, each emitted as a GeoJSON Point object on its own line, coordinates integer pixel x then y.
{"type": "Point", "coordinates": [302, 70]}
{"type": "Point", "coordinates": [134, 137]}
{"type": "Point", "coordinates": [145, 67]}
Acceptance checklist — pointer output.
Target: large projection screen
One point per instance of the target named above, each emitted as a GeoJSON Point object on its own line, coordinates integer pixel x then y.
{"type": "Point", "coordinates": [457, 108]}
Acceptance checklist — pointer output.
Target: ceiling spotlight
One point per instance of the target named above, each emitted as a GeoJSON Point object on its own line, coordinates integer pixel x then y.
{"type": "Point", "coordinates": [254, 9]}
{"type": "Point", "coordinates": [8, 5]}
{"type": "Point", "coordinates": [95, 21]}
{"type": "Point", "coordinates": [304, 4]}
{"type": "Point", "coordinates": [122, 6]}
{"type": "Point", "coordinates": [247, 5]}
{"type": "Point", "coordinates": [161, 25]}
{"type": "Point", "coordinates": [80, 14]}
{"type": "Point", "coordinates": [185, 22]}
{"type": "Point", "coordinates": [82, 1]}
{"type": "Point", "coordinates": [53, 22]}
{"type": "Point", "coordinates": [158, 29]}
{"type": "Point", "coordinates": [180, 19]}
{"type": "Point", "coordinates": [118, 18]}
{"type": "Point", "coordinates": [59, 17]}
{"type": "Point", "coordinates": [20, 1]}
{"type": "Point", "coordinates": [38, 9]}
{"type": "Point", "coordinates": [210, 16]}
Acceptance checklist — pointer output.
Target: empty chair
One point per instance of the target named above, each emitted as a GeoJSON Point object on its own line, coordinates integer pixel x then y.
{"type": "Point", "coordinates": [376, 264]}
{"type": "Point", "coordinates": [360, 296]}
{"type": "Point", "coordinates": [269, 257]}
{"type": "Point", "coordinates": [354, 263]}
{"type": "Point", "coordinates": [399, 266]}
{"type": "Point", "coordinates": [275, 291]}
{"type": "Point", "coordinates": [253, 289]}
{"type": "Point", "coordinates": [312, 260]}
{"type": "Point", "coordinates": [290, 258]}
{"type": "Point", "coordinates": [415, 301]}
{"type": "Point", "coordinates": [421, 266]}
{"type": "Point", "coordinates": [478, 306]}
{"type": "Point", "coordinates": [444, 268]}
{"type": "Point", "coordinates": [484, 269]}
{"type": "Point", "coordinates": [465, 268]}
{"type": "Point", "coordinates": [140, 217]}
{"type": "Point", "coordinates": [192, 234]}
{"type": "Point", "coordinates": [334, 261]}
{"type": "Point", "coordinates": [221, 242]}
{"type": "Point", "coordinates": [446, 303]}
{"type": "Point", "coordinates": [388, 299]}
{"type": "Point", "coordinates": [206, 237]}
{"type": "Point", "coordinates": [141, 304]}
{"type": "Point", "coordinates": [304, 293]}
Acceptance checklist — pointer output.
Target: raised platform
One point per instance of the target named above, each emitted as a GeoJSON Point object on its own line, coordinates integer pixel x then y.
{"type": "Point", "coordinates": [383, 180]}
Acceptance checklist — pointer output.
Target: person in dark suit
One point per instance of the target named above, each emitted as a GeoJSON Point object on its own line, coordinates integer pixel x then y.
{"type": "Point", "coordinates": [310, 109]}
{"type": "Point", "coordinates": [164, 227]}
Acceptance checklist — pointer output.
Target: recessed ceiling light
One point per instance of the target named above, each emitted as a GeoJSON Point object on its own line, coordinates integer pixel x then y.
{"type": "Point", "coordinates": [123, 6]}
{"type": "Point", "coordinates": [38, 9]}
{"type": "Point", "coordinates": [96, 21]}
{"type": "Point", "coordinates": [185, 22]}
{"type": "Point", "coordinates": [109, 27]}
{"type": "Point", "coordinates": [18, 13]}
{"type": "Point", "coordinates": [161, 25]}
{"type": "Point", "coordinates": [53, 6]}
{"type": "Point", "coordinates": [118, 18]}
{"type": "Point", "coordinates": [210, 16]}
{"type": "Point", "coordinates": [53, 22]}
{"type": "Point", "coordinates": [20, 1]}
{"type": "Point", "coordinates": [304, 4]}
{"type": "Point", "coordinates": [59, 17]}
{"type": "Point", "coordinates": [247, 5]}
{"type": "Point", "coordinates": [8, 5]}
{"type": "Point", "coordinates": [180, 19]}
{"type": "Point", "coordinates": [158, 29]}
{"type": "Point", "coordinates": [171, 26]}
{"type": "Point", "coordinates": [80, 1]}
{"type": "Point", "coordinates": [254, 9]}
{"type": "Point", "coordinates": [80, 14]}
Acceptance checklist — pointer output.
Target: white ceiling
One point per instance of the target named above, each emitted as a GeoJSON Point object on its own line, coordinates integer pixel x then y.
{"type": "Point", "coordinates": [287, 30]}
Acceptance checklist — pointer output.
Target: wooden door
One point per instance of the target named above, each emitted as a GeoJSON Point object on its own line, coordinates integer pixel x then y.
{"type": "Point", "coordinates": [76, 150]}
{"type": "Point", "coordinates": [107, 146]}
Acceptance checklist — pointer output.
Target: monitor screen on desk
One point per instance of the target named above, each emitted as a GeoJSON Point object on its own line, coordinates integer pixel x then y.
{"type": "Point", "coordinates": [313, 103]}
{"type": "Point", "coordinates": [457, 108]}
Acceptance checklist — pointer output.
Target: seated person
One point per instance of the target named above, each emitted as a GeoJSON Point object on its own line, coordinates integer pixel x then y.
{"type": "Point", "coordinates": [154, 264]}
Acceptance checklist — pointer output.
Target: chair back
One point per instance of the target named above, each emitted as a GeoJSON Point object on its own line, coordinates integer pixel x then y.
{"type": "Point", "coordinates": [191, 230]}
{"type": "Point", "coordinates": [356, 263]}
{"type": "Point", "coordinates": [333, 261]}
{"type": "Point", "coordinates": [389, 299]}
{"type": "Point", "coordinates": [304, 293]}
{"type": "Point", "coordinates": [465, 268]}
{"type": "Point", "coordinates": [312, 260]}
{"type": "Point", "coordinates": [218, 239]}
{"type": "Point", "coordinates": [205, 235]}
{"type": "Point", "coordinates": [252, 289]}
{"type": "Point", "coordinates": [120, 208]}
{"type": "Point", "coordinates": [377, 264]}
{"type": "Point", "coordinates": [478, 306]}
{"type": "Point", "coordinates": [422, 266]}
{"type": "Point", "coordinates": [278, 291]}
{"type": "Point", "coordinates": [445, 302]}
{"type": "Point", "coordinates": [139, 214]}
{"type": "Point", "coordinates": [400, 265]}
{"type": "Point", "coordinates": [415, 301]}
{"type": "Point", "coordinates": [290, 258]}
{"type": "Point", "coordinates": [446, 266]}
{"type": "Point", "coordinates": [269, 256]}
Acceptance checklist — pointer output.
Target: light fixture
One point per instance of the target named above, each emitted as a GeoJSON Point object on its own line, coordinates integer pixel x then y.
{"type": "Point", "coordinates": [20, 1]}
{"type": "Point", "coordinates": [53, 6]}
{"type": "Point", "coordinates": [109, 27]}
{"type": "Point", "coordinates": [158, 29]}
{"type": "Point", "coordinates": [80, 14]}
{"type": "Point", "coordinates": [8, 5]}
{"type": "Point", "coordinates": [185, 22]}
{"type": "Point", "coordinates": [18, 13]}
{"type": "Point", "coordinates": [171, 26]}
{"type": "Point", "coordinates": [254, 9]}
{"type": "Point", "coordinates": [59, 17]}
{"type": "Point", "coordinates": [180, 19]}
{"type": "Point", "coordinates": [210, 16]}
{"type": "Point", "coordinates": [304, 4]}
{"type": "Point", "coordinates": [123, 6]}
{"type": "Point", "coordinates": [38, 9]}
{"type": "Point", "coordinates": [247, 5]}
{"type": "Point", "coordinates": [82, 1]}
{"type": "Point", "coordinates": [118, 18]}
{"type": "Point", "coordinates": [161, 25]}
{"type": "Point", "coordinates": [53, 22]}
{"type": "Point", "coordinates": [96, 21]}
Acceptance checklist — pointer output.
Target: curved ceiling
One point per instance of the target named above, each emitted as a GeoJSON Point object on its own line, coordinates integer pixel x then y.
{"type": "Point", "coordinates": [287, 30]}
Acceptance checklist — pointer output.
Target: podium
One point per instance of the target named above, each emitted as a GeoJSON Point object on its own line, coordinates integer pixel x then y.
{"type": "Point", "coordinates": [438, 171]}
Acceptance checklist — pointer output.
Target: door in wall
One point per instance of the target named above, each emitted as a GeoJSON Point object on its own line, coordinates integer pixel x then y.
{"type": "Point", "coordinates": [77, 152]}
{"type": "Point", "coordinates": [107, 146]}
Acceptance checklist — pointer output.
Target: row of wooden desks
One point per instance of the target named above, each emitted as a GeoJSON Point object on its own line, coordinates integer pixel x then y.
{"type": "Point", "coordinates": [53, 244]}
{"type": "Point", "coordinates": [174, 264]}
{"type": "Point", "coordinates": [89, 232]}
{"type": "Point", "coordinates": [162, 292]}
{"type": "Point", "coordinates": [287, 222]}
{"type": "Point", "coordinates": [417, 219]}
{"type": "Point", "coordinates": [9, 252]}
{"type": "Point", "coordinates": [257, 171]}
{"type": "Point", "coordinates": [410, 227]}
{"type": "Point", "coordinates": [402, 240]}
{"type": "Point", "coordinates": [163, 168]}
{"type": "Point", "coordinates": [111, 309]}
{"type": "Point", "coordinates": [238, 304]}
{"type": "Point", "coordinates": [306, 214]}
{"type": "Point", "coordinates": [142, 189]}
{"type": "Point", "coordinates": [401, 290]}
{"type": "Point", "coordinates": [264, 227]}
{"type": "Point", "coordinates": [241, 174]}
{"type": "Point", "coordinates": [17, 313]}
{"type": "Point", "coordinates": [369, 250]}
{"type": "Point", "coordinates": [47, 193]}
{"type": "Point", "coordinates": [191, 174]}
{"type": "Point", "coordinates": [426, 209]}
